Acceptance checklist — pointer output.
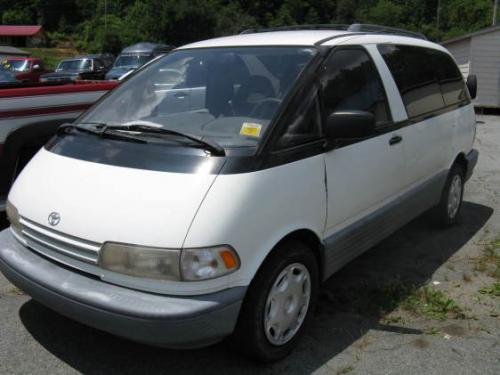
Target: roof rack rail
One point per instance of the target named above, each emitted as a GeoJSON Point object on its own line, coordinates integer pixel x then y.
{"type": "Point", "coordinates": [324, 26]}
{"type": "Point", "coordinates": [355, 27]}
{"type": "Point", "coordinates": [369, 28]}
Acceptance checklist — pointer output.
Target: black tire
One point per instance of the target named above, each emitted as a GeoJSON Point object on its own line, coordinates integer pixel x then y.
{"type": "Point", "coordinates": [249, 336]}
{"type": "Point", "coordinates": [441, 217]}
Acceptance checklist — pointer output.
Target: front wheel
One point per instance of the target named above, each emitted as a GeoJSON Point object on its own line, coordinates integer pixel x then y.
{"type": "Point", "coordinates": [279, 303]}
{"type": "Point", "coordinates": [446, 213]}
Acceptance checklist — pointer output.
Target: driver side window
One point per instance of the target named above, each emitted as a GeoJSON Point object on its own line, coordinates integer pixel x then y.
{"type": "Point", "coordinates": [350, 81]}
{"type": "Point", "coordinates": [305, 125]}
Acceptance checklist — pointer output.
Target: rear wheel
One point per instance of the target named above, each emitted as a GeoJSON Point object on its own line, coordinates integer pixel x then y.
{"type": "Point", "coordinates": [446, 213]}
{"type": "Point", "coordinates": [279, 303]}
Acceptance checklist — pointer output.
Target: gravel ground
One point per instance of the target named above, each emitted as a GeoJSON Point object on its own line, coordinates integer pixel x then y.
{"type": "Point", "coordinates": [411, 305]}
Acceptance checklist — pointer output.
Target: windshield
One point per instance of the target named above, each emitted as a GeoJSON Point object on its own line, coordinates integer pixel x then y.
{"type": "Point", "coordinates": [16, 65]}
{"type": "Point", "coordinates": [131, 61]}
{"type": "Point", "coordinates": [228, 95]}
{"type": "Point", "coordinates": [74, 65]}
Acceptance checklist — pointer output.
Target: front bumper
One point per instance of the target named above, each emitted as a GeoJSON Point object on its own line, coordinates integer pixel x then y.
{"type": "Point", "coordinates": [472, 158]}
{"type": "Point", "coordinates": [174, 322]}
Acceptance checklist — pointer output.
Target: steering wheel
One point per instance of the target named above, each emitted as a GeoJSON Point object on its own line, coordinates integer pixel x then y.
{"type": "Point", "coordinates": [265, 106]}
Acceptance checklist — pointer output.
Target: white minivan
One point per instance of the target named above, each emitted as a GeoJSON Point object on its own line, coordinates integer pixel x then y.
{"type": "Point", "coordinates": [215, 205]}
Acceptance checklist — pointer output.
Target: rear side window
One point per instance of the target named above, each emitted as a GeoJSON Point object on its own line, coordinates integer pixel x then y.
{"type": "Point", "coordinates": [450, 78]}
{"type": "Point", "coordinates": [415, 74]}
{"type": "Point", "coordinates": [350, 81]}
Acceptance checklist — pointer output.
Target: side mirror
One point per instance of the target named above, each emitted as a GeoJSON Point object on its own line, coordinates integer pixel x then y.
{"type": "Point", "coordinates": [36, 67]}
{"type": "Point", "coordinates": [349, 124]}
{"type": "Point", "coordinates": [472, 85]}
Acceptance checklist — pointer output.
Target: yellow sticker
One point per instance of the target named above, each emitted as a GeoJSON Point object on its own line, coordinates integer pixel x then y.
{"type": "Point", "coordinates": [251, 128]}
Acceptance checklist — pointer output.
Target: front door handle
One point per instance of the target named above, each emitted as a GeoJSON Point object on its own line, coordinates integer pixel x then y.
{"type": "Point", "coordinates": [395, 140]}
{"type": "Point", "coordinates": [180, 95]}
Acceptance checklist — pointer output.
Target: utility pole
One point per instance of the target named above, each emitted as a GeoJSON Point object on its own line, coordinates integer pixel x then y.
{"type": "Point", "coordinates": [495, 9]}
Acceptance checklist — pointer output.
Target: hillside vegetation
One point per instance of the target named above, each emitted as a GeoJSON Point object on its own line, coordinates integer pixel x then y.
{"type": "Point", "coordinates": [99, 25]}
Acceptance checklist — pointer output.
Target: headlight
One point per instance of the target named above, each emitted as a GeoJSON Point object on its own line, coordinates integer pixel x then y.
{"type": "Point", "coordinates": [148, 262]}
{"type": "Point", "coordinates": [13, 216]}
{"type": "Point", "coordinates": [208, 263]}
{"type": "Point", "coordinates": [169, 264]}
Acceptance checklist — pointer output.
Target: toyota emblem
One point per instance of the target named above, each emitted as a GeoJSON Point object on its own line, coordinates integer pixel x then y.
{"type": "Point", "coordinates": [54, 218]}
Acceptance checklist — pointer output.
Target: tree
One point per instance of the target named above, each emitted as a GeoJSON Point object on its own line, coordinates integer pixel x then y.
{"type": "Point", "coordinates": [17, 17]}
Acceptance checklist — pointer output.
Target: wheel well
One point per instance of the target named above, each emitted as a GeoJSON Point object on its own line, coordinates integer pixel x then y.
{"type": "Point", "coordinates": [309, 238]}
{"type": "Point", "coordinates": [462, 161]}
{"type": "Point", "coordinates": [28, 138]}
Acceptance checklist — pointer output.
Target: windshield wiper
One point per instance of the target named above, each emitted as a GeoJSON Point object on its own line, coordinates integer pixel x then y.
{"type": "Point", "coordinates": [212, 146]}
{"type": "Point", "coordinates": [99, 133]}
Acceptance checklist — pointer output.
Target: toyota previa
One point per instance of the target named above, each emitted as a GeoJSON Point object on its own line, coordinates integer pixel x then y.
{"type": "Point", "coordinates": [211, 193]}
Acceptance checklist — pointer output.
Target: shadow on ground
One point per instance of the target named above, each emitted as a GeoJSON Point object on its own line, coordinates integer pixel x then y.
{"type": "Point", "coordinates": [346, 311]}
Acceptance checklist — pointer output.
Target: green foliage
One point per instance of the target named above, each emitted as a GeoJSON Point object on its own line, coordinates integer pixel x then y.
{"type": "Point", "coordinates": [17, 17]}
{"type": "Point", "coordinates": [98, 25]}
{"type": "Point", "coordinates": [432, 303]}
{"type": "Point", "coordinates": [492, 290]}
{"type": "Point", "coordinates": [52, 56]}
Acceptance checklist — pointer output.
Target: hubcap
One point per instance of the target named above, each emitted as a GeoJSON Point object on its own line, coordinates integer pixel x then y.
{"type": "Point", "coordinates": [454, 196]}
{"type": "Point", "coordinates": [287, 304]}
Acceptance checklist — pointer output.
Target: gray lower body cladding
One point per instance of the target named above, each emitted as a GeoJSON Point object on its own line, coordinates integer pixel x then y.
{"type": "Point", "coordinates": [350, 242]}
{"type": "Point", "coordinates": [169, 321]}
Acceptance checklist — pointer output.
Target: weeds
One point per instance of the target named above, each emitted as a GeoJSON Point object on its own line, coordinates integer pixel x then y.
{"type": "Point", "coordinates": [492, 290]}
{"type": "Point", "coordinates": [432, 304]}
{"type": "Point", "coordinates": [489, 262]}
{"type": "Point", "coordinates": [379, 301]}
{"type": "Point", "coordinates": [345, 370]}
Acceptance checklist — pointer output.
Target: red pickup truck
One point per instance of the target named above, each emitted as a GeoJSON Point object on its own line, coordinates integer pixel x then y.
{"type": "Point", "coordinates": [29, 116]}
{"type": "Point", "coordinates": [25, 69]}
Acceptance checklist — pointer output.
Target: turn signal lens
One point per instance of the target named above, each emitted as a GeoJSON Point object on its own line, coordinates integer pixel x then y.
{"type": "Point", "coordinates": [229, 258]}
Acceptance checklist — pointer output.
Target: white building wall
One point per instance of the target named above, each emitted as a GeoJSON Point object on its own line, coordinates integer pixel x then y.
{"type": "Point", "coordinates": [461, 51]}
{"type": "Point", "coordinates": [485, 63]}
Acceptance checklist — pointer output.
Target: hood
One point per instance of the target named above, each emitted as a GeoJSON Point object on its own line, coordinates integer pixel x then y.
{"type": "Point", "coordinates": [117, 72]}
{"type": "Point", "coordinates": [100, 203]}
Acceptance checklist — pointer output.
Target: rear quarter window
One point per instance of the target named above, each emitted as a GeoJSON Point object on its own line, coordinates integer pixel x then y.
{"type": "Point", "coordinates": [428, 80]}
{"type": "Point", "coordinates": [450, 78]}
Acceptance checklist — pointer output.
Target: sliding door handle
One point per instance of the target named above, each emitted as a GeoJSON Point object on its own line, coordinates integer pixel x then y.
{"type": "Point", "coordinates": [395, 140]}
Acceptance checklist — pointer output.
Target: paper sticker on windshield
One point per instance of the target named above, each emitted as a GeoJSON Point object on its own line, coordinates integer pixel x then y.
{"type": "Point", "coordinates": [251, 128]}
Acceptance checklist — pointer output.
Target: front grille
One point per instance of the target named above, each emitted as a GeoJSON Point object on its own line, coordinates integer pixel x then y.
{"type": "Point", "coordinates": [41, 239]}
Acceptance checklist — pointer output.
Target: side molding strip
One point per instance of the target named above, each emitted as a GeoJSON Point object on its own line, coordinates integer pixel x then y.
{"type": "Point", "coordinates": [350, 242]}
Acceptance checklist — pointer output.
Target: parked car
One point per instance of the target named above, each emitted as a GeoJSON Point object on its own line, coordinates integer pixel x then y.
{"type": "Point", "coordinates": [303, 148]}
{"type": "Point", "coordinates": [86, 68]}
{"type": "Point", "coordinates": [135, 56]}
{"type": "Point", "coordinates": [107, 59]}
{"type": "Point", "coordinates": [25, 69]}
{"type": "Point", "coordinates": [7, 79]}
{"type": "Point", "coordinates": [30, 116]}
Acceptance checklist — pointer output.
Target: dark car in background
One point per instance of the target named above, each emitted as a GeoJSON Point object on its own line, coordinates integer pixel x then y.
{"type": "Point", "coordinates": [25, 69]}
{"type": "Point", "coordinates": [83, 67]}
{"type": "Point", "coordinates": [135, 56]}
{"type": "Point", "coordinates": [106, 58]}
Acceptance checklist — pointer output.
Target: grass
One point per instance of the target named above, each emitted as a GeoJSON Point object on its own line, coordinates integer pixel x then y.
{"type": "Point", "coordinates": [492, 290]}
{"type": "Point", "coordinates": [379, 301]}
{"type": "Point", "coordinates": [345, 370]}
{"type": "Point", "coordinates": [489, 262]}
{"type": "Point", "coordinates": [52, 56]}
{"type": "Point", "coordinates": [16, 291]}
{"type": "Point", "coordinates": [431, 303]}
